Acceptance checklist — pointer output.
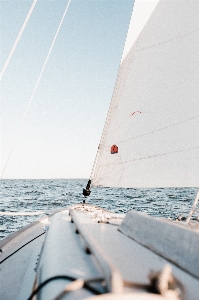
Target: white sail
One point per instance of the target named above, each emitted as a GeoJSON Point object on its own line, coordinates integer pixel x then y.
{"type": "Point", "coordinates": [153, 118]}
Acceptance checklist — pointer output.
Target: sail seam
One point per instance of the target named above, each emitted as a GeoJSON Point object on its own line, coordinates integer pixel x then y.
{"type": "Point", "coordinates": [154, 155]}
{"type": "Point", "coordinates": [167, 41]}
{"type": "Point", "coordinates": [151, 132]}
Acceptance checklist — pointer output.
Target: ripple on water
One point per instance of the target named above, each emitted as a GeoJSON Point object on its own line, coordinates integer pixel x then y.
{"type": "Point", "coordinates": [32, 195]}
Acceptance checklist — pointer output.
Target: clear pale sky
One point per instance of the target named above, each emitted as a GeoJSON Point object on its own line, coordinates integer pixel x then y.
{"type": "Point", "coordinates": [63, 126]}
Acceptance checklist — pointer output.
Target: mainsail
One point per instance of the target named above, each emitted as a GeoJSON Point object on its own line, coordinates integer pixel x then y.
{"type": "Point", "coordinates": [153, 118]}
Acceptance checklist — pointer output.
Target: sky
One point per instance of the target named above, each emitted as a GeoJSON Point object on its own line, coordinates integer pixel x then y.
{"type": "Point", "coordinates": [62, 128]}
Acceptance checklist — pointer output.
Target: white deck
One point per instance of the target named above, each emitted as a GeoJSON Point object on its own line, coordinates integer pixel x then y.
{"type": "Point", "coordinates": [114, 256]}
{"type": "Point", "coordinates": [18, 261]}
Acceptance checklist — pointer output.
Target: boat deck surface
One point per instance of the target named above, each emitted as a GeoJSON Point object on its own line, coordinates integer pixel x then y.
{"type": "Point", "coordinates": [19, 256]}
{"type": "Point", "coordinates": [82, 245]}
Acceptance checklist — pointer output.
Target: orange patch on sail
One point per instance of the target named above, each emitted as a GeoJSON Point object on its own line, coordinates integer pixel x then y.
{"type": "Point", "coordinates": [114, 149]}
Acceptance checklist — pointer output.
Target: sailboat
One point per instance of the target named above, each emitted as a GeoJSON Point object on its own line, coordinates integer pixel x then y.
{"type": "Point", "coordinates": [150, 139]}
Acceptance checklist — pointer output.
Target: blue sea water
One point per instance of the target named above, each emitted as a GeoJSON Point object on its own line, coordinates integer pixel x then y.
{"type": "Point", "coordinates": [39, 195]}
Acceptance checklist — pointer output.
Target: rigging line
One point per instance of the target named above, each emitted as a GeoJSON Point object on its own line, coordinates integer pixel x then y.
{"type": "Point", "coordinates": [17, 39]}
{"type": "Point", "coordinates": [35, 88]}
{"type": "Point", "coordinates": [153, 155]}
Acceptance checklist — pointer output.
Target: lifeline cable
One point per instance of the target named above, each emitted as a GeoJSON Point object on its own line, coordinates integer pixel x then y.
{"type": "Point", "coordinates": [34, 90]}
{"type": "Point", "coordinates": [17, 39]}
{"type": "Point", "coordinates": [22, 247]}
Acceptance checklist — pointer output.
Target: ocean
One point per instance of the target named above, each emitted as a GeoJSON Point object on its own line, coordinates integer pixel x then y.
{"type": "Point", "coordinates": [41, 195]}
